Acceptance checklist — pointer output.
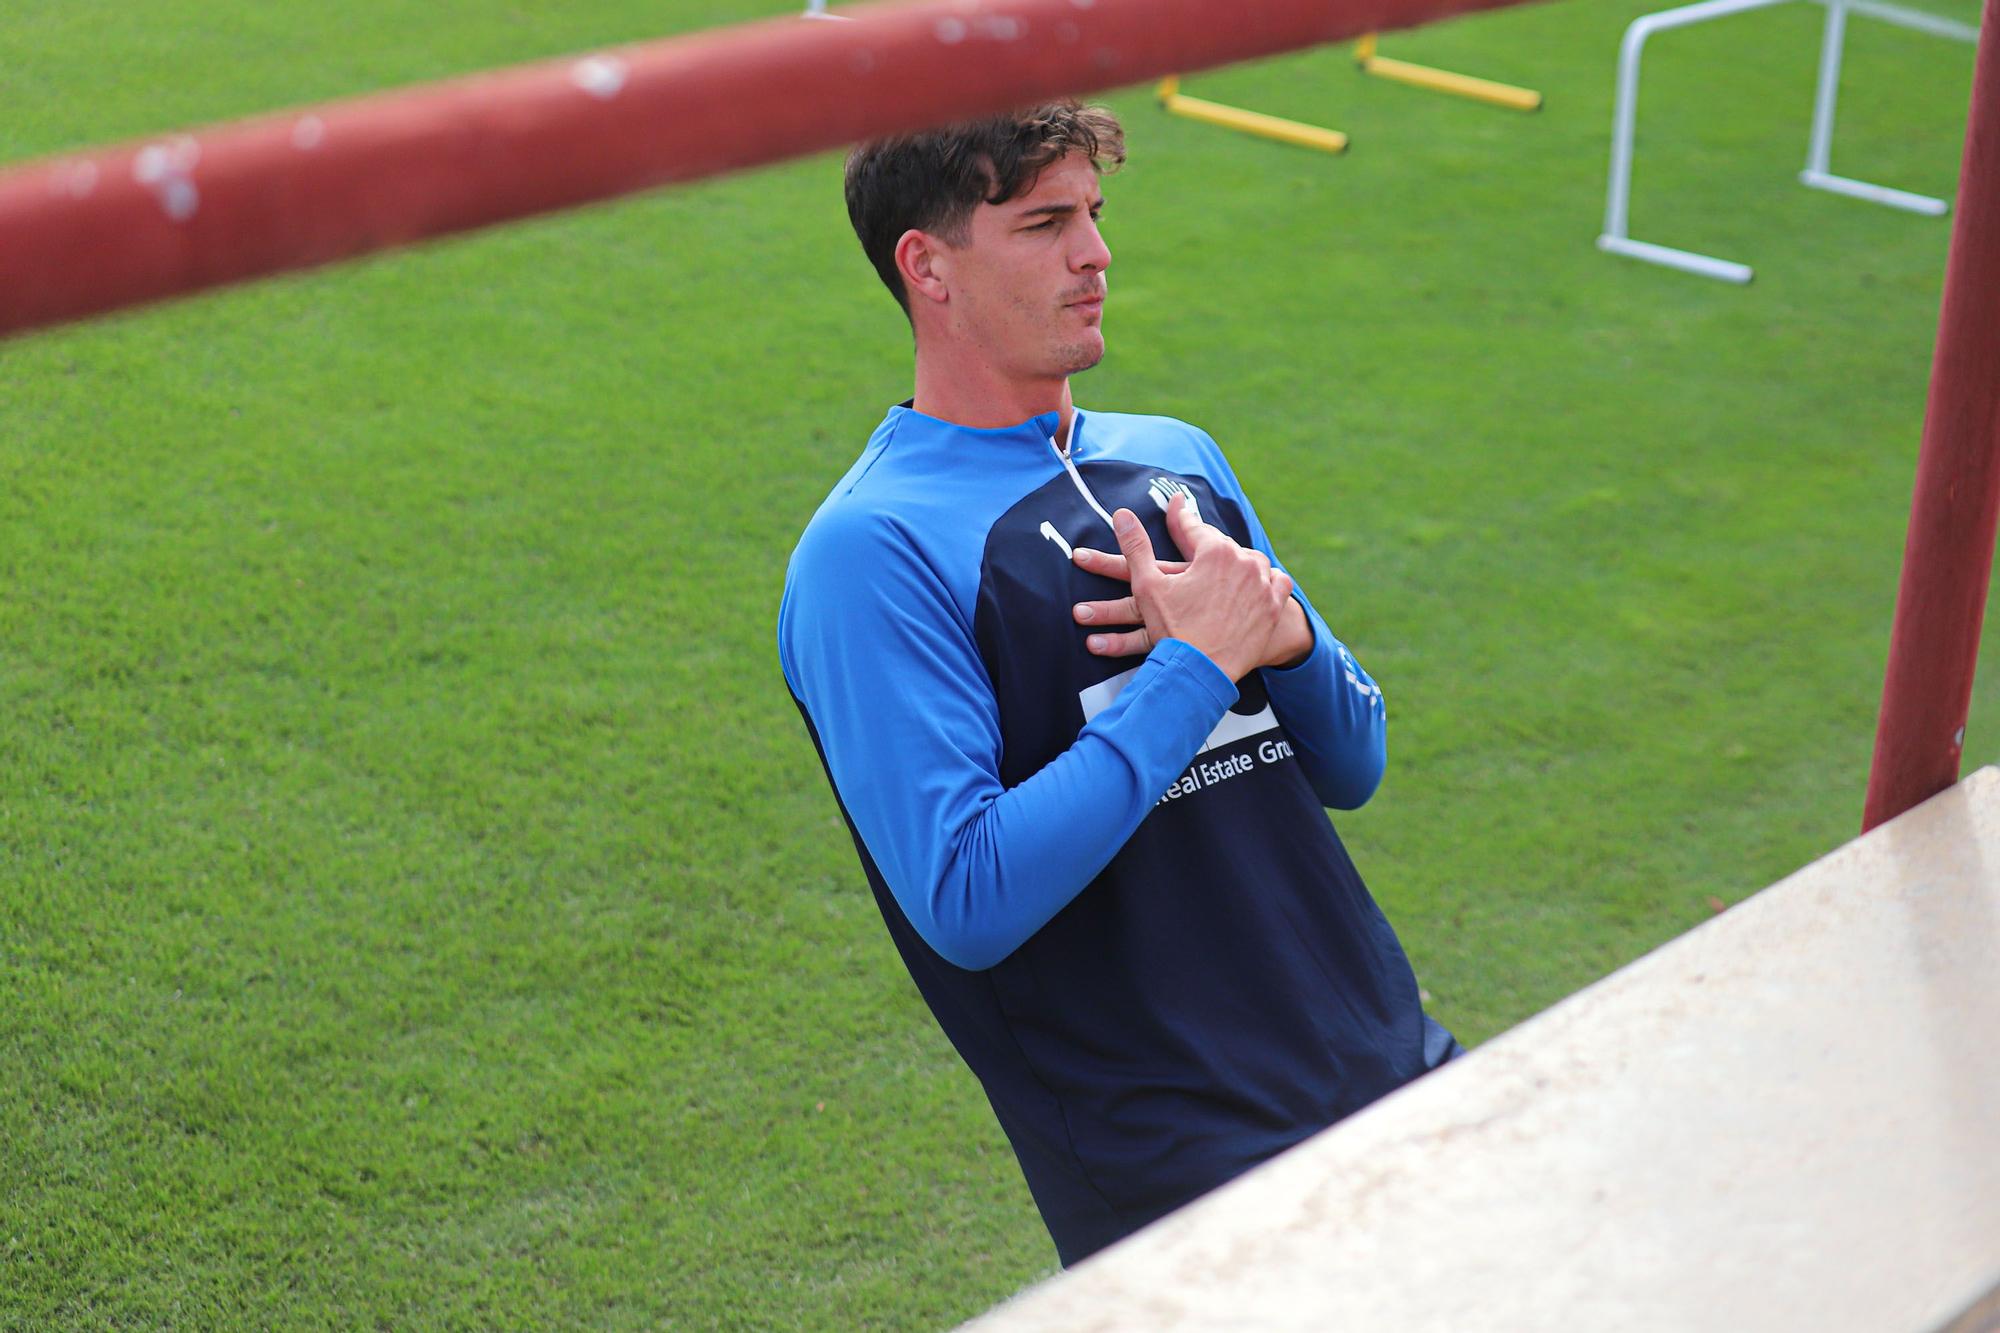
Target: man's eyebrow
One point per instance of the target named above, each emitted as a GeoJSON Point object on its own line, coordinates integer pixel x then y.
{"type": "Point", "coordinates": [1056, 210]}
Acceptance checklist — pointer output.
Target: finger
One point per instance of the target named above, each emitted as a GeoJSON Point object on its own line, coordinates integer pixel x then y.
{"type": "Point", "coordinates": [1190, 534]}
{"type": "Point", "coordinates": [1281, 582]}
{"type": "Point", "coordinates": [1113, 566]}
{"type": "Point", "coordinates": [1121, 611]}
{"type": "Point", "coordinates": [1137, 546]}
{"type": "Point", "coordinates": [1132, 643]}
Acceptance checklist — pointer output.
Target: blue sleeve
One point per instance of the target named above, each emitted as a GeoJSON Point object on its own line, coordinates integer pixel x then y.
{"type": "Point", "coordinates": [1331, 709]}
{"type": "Point", "coordinates": [888, 670]}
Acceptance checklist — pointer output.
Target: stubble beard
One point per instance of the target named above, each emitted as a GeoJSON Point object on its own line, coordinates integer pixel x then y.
{"type": "Point", "coordinates": [1077, 357]}
{"type": "Point", "coordinates": [1080, 354]}
{"type": "Point", "coordinates": [1083, 353]}
{"type": "Point", "coordinates": [1066, 353]}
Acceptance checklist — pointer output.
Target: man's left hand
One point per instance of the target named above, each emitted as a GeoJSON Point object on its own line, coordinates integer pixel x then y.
{"type": "Point", "coordinates": [1290, 646]}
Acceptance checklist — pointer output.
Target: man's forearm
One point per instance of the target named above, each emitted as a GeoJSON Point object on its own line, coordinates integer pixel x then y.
{"type": "Point", "coordinates": [1002, 865]}
{"type": "Point", "coordinates": [1333, 713]}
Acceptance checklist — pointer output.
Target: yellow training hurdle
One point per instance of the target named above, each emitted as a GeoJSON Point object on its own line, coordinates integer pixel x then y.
{"type": "Point", "coordinates": [1443, 80]}
{"type": "Point", "coordinates": [1177, 103]}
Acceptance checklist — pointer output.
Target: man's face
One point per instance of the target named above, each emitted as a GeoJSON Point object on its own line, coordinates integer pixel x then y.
{"type": "Point", "coordinates": [1027, 287]}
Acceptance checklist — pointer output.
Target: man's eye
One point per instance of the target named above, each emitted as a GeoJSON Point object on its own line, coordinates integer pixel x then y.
{"type": "Point", "coordinates": [1043, 226]}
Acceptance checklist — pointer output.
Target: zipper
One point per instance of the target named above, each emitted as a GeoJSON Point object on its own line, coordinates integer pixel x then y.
{"type": "Point", "coordinates": [1076, 478]}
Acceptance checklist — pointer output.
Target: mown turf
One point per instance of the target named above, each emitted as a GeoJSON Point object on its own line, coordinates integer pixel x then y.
{"type": "Point", "coordinates": [421, 907]}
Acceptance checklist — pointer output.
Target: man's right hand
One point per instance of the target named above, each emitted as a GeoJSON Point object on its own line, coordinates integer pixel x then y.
{"type": "Point", "coordinates": [1225, 600]}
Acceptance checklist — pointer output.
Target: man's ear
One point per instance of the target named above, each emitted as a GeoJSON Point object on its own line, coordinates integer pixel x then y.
{"type": "Point", "coordinates": [924, 263]}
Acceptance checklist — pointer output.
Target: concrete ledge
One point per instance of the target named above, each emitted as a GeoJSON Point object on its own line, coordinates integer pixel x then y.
{"type": "Point", "coordinates": [1788, 1118]}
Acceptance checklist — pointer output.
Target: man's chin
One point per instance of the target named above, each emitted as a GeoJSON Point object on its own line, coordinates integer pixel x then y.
{"type": "Point", "coordinates": [1081, 356]}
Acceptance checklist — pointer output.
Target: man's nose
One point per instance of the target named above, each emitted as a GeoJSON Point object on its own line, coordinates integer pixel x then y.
{"type": "Point", "coordinates": [1092, 255]}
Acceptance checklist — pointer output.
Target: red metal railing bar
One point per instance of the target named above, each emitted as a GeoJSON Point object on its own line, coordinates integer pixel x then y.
{"type": "Point", "coordinates": [92, 232]}
{"type": "Point", "coordinates": [1948, 555]}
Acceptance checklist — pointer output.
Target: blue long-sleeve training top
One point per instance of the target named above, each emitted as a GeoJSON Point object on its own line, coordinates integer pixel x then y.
{"type": "Point", "coordinates": [1113, 881]}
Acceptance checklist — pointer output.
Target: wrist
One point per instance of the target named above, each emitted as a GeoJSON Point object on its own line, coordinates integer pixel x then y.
{"type": "Point", "coordinates": [1232, 664]}
{"type": "Point", "coordinates": [1293, 642]}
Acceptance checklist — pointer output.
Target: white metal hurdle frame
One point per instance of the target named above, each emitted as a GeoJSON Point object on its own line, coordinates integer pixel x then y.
{"type": "Point", "coordinates": [1617, 238]}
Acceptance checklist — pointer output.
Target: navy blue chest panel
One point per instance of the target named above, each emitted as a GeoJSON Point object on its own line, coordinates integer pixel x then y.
{"type": "Point", "coordinates": [1226, 983]}
{"type": "Point", "coordinates": [1047, 684]}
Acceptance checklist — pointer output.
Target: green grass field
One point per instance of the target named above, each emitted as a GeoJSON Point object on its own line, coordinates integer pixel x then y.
{"type": "Point", "coordinates": [419, 904]}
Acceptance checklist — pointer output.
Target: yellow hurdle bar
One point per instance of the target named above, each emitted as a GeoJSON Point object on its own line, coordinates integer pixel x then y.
{"type": "Point", "coordinates": [1236, 118]}
{"type": "Point", "coordinates": [1333, 141]}
{"type": "Point", "coordinates": [1444, 81]}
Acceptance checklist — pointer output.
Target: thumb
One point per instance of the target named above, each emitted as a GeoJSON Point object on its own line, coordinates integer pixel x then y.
{"type": "Point", "coordinates": [1136, 545]}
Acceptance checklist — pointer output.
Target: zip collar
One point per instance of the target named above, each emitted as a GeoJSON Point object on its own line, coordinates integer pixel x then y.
{"type": "Point", "coordinates": [1038, 432]}
{"type": "Point", "coordinates": [1039, 429]}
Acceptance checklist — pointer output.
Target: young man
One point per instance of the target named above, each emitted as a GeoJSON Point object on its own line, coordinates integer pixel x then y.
{"type": "Point", "coordinates": [1087, 787]}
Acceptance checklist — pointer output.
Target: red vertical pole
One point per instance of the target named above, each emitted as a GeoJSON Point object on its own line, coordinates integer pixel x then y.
{"type": "Point", "coordinates": [1948, 555]}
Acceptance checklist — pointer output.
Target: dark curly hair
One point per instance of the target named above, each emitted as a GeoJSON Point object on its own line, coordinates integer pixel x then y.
{"type": "Point", "coordinates": [934, 180]}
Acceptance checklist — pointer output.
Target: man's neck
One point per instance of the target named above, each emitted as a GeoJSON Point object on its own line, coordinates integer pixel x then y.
{"type": "Point", "coordinates": [973, 395]}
